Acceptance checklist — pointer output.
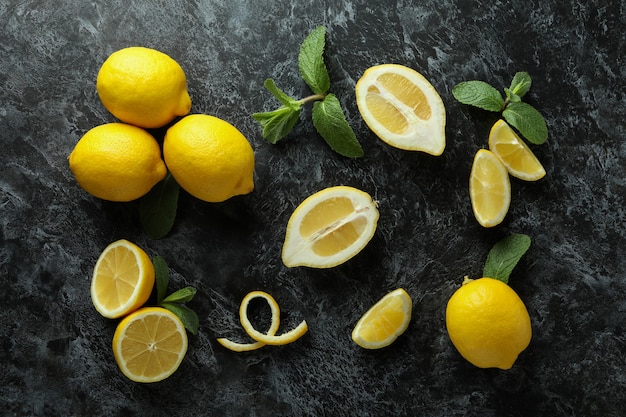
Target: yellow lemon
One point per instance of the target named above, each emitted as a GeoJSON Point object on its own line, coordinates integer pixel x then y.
{"type": "Point", "coordinates": [516, 156]}
{"type": "Point", "coordinates": [143, 87]}
{"type": "Point", "coordinates": [117, 162]}
{"type": "Point", "coordinates": [402, 108]}
{"type": "Point", "coordinates": [209, 158]}
{"type": "Point", "coordinates": [489, 189]}
{"type": "Point", "coordinates": [488, 323]}
{"type": "Point", "coordinates": [381, 325]}
{"type": "Point", "coordinates": [149, 344]}
{"type": "Point", "coordinates": [329, 227]}
{"type": "Point", "coordinates": [122, 279]}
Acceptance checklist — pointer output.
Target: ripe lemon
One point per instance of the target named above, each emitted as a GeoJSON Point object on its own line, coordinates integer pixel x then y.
{"type": "Point", "coordinates": [329, 227]}
{"type": "Point", "coordinates": [149, 344]}
{"type": "Point", "coordinates": [143, 87]}
{"type": "Point", "coordinates": [122, 279]}
{"type": "Point", "coordinates": [117, 162]}
{"type": "Point", "coordinates": [488, 323]}
{"type": "Point", "coordinates": [516, 156]}
{"type": "Point", "coordinates": [489, 189]}
{"type": "Point", "coordinates": [209, 158]}
{"type": "Point", "coordinates": [402, 108]}
{"type": "Point", "coordinates": [381, 325]}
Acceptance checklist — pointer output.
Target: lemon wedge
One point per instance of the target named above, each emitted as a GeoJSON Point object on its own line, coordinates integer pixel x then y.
{"type": "Point", "coordinates": [381, 325]}
{"type": "Point", "coordinates": [489, 189]}
{"type": "Point", "coordinates": [516, 156]}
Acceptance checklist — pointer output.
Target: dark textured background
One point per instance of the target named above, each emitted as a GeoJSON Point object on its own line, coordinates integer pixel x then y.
{"type": "Point", "coordinates": [55, 349]}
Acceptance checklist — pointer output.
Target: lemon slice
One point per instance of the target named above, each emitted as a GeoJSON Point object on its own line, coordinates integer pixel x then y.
{"type": "Point", "coordinates": [268, 338]}
{"type": "Point", "coordinates": [274, 324]}
{"type": "Point", "coordinates": [384, 321]}
{"type": "Point", "coordinates": [402, 108]}
{"type": "Point", "coordinates": [149, 344]}
{"type": "Point", "coordinates": [489, 189]}
{"type": "Point", "coordinates": [122, 279]}
{"type": "Point", "coordinates": [516, 156]}
{"type": "Point", "coordinates": [329, 227]}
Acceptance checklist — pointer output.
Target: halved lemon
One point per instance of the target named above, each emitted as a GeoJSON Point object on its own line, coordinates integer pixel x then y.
{"type": "Point", "coordinates": [329, 227]}
{"type": "Point", "coordinates": [122, 279]}
{"type": "Point", "coordinates": [149, 344]}
{"type": "Point", "coordinates": [402, 108]}
{"type": "Point", "coordinates": [381, 325]}
{"type": "Point", "coordinates": [516, 156]}
{"type": "Point", "coordinates": [489, 188]}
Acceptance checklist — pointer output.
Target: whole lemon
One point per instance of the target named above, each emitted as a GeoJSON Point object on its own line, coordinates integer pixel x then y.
{"type": "Point", "coordinates": [488, 323]}
{"type": "Point", "coordinates": [117, 162]}
{"type": "Point", "coordinates": [209, 158]}
{"type": "Point", "coordinates": [143, 87]}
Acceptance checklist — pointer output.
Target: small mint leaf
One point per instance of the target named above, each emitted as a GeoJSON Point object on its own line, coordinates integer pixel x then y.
{"type": "Point", "coordinates": [280, 95]}
{"type": "Point", "coordinates": [161, 277]}
{"type": "Point", "coordinates": [187, 316]}
{"type": "Point", "coordinates": [157, 209]}
{"type": "Point", "coordinates": [331, 124]}
{"type": "Point", "coordinates": [181, 296]}
{"type": "Point", "coordinates": [311, 61]}
{"type": "Point", "coordinates": [504, 255]}
{"type": "Point", "coordinates": [528, 121]}
{"type": "Point", "coordinates": [521, 83]}
{"type": "Point", "coordinates": [478, 94]}
{"type": "Point", "coordinates": [278, 123]}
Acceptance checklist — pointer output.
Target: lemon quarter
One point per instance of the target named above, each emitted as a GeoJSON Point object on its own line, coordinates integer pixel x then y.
{"type": "Point", "coordinates": [489, 189]}
{"type": "Point", "coordinates": [329, 227]}
{"type": "Point", "coordinates": [384, 321]}
{"type": "Point", "coordinates": [516, 156]}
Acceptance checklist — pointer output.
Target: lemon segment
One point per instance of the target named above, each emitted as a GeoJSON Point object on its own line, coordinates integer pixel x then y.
{"type": "Point", "coordinates": [117, 162]}
{"type": "Point", "coordinates": [488, 323]}
{"type": "Point", "coordinates": [402, 108]}
{"type": "Point", "coordinates": [122, 279]}
{"type": "Point", "coordinates": [329, 227]}
{"type": "Point", "coordinates": [489, 189]}
{"type": "Point", "coordinates": [381, 325]}
{"type": "Point", "coordinates": [516, 156]}
{"type": "Point", "coordinates": [143, 87]}
{"type": "Point", "coordinates": [268, 338]}
{"type": "Point", "coordinates": [149, 344]}
{"type": "Point", "coordinates": [209, 158]}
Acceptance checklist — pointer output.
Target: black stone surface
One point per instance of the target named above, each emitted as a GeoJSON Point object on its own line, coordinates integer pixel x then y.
{"type": "Point", "coordinates": [55, 355]}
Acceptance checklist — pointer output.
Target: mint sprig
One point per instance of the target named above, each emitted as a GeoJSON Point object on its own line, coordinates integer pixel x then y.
{"type": "Point", "coordinates": [328, 116]}
{"type": "Point", "coordinates": [505, 255]}
{"type": "Point", "coordinates": [175, 301]}
{"type": "Point", "coordinates": [522, 116]}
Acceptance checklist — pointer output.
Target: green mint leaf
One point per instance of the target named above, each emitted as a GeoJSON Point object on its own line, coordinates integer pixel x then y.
{"type": "Point", "coordinates": [505, 255]}
{"type": "Point", "coordinates": [280, 95]}
{"type": "Point", "coordinates": [478, 94]}
{"type": "Point", "coordinates": [511, 97]}
{"type": "Point", "coordinates": [278, 123]}
{"type": "Point", "coordinates": [521, 84]}
{"type": "Point", "coordinates": [528, 121]}
{"type": "Point", "coordinates": [157, 209]}
{"type": "Point", "coordinates": [181, 296]}
{"type": "Point", "coordinates": [161, 277]}
{"type": "Point", "coordinates": [186, 315]}
{"type": "Point", "coordinates": [311, 61]}
{"type": "Point", "coordinates": [331, 124]}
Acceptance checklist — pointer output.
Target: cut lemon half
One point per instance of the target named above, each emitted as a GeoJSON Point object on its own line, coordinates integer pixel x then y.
{"type": "Point", "coordinates": [149, 344]}
{"type": "Point", "coordinates": [402, 108]}
{"type": "Point", "coordinates": [122, 279]}
{"type": "Point", "coordinates": [516, 156]}
{"type": "Point", "coordinates": [489, 189]}
{"type": "Point", "coordinates": [381, 325]}
{"type": "Point", "coordinates": [329, 227]}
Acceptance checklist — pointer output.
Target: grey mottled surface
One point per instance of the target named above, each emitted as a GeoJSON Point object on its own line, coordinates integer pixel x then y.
{"type": "Point", "coordinates": [55, 354]}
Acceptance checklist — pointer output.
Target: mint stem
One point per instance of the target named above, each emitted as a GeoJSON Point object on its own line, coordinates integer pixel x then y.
{"type": "Point", "coordinates": [309, 99]}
